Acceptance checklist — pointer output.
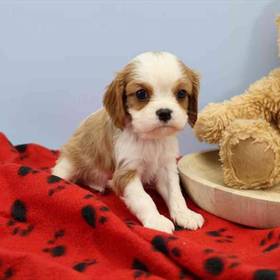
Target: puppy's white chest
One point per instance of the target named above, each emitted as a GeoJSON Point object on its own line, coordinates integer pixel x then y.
{"type": "Point", "coordinates": [145, 156]}
{"type": "Point", "coordinates": [151, 158]}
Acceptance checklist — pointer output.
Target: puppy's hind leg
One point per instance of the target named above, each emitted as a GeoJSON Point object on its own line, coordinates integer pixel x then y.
{"type": "Point", "coordinates": [63, 169]}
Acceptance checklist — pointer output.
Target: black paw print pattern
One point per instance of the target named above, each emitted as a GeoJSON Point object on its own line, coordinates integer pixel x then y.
{"type": "Point", "coordinates": [7, 271]}
{"type": "Point", "coordinates": [88, 196]}
{"type": "Point", "coordinates": [26, 170]}
{"type": "Point", "coordinates": [56, 250]}
{"type": "Point", "coordinates": [220, 235]}
{"type": "Point", "coordinates": [18, 223]}
{"type": "Point", "coordinates": [57, 184]}
{"type": "Point", "coordinates": [270, 242]}
{"type": "Point", "coordinates": [186, 274]}
{"type": "Point", "coordinates": [58, 234]}
{"type": "Point", "coordinates": [265, 274]}
{"type": "Point", "coordinates": [130, 223]}
{"type": "Point", "coordinates": [160, 243]}
{"type": "Point", "coordinates": [83, 265]}
{"type": "Point", "coordinates": [89, 215]}
{"type": "Point", "coordinates": [52, 191]}
{"type": "Point", "coordinates": [217, 262]}
{"type": "Point", "coordinates": [53, 179]}
{"type": "Point", "coordinates": [21, 149]}
{"type": "Point", "coordinates": [140, 269]}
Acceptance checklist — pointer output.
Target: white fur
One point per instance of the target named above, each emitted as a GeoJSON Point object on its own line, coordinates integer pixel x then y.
{"type": "Point", "coordinates": [158, 69]}
{"type": "Point", "coordinates": [162, 71]}
{"type": "Point", "coordinates": [142, 205]}
{"type": "Point", "coordinates": [154, 159]}
{"type": "Point", "coordinates": [63, 169]}
{"type": "Point", "coordinates": [169, 188]}
{"type": "Point", "coordinates": [144, 155]}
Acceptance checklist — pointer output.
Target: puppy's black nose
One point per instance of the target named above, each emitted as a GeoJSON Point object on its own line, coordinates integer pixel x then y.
{"type": "Point", "coordinates": [164, 114]}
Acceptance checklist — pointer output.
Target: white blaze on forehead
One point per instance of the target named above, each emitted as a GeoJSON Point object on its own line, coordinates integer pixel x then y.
{"type": "Point", "coordinates": [159, 69]}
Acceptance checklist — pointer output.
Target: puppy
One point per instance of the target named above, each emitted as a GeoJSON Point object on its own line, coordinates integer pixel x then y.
{"type": "Point", "coordinates": [133, 139]}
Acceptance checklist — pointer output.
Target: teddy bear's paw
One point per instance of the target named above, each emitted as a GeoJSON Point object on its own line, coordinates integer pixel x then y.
{"type": "Point", "coordinates": [209, 130]}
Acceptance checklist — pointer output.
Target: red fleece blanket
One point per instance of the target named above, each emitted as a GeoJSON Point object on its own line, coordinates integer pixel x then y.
{"type": "Point", "coordinates": [52, 229]}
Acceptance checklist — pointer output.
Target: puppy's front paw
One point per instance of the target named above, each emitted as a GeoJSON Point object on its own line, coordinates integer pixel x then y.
{"type": "Point", "coordinates": [159, 222]}
{"type": "Point", "coordinates": [187, 219]}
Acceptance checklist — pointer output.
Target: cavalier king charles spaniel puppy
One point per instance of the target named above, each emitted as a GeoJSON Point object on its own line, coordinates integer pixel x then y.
{"type": "Point", "coordinates": [132, 140]}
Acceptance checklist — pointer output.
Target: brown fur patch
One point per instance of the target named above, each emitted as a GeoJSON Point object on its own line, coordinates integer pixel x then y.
{"type": "Point", "coordinates": [115, 99]}
{"type": "Point", "coordinates": [121, 178]}
{"type": "Point", "coordinates": [131, 89]}
{"type": "Point", "coordinates": [91, 147]}
{"type": "Point", "coordinates": [193, 95]}
{"type": "Point", "coordinates": [183, 84]}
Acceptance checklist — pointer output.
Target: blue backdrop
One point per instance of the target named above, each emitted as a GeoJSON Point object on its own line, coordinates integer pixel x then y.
{"type": "Point", "coordinates": [56, 57]}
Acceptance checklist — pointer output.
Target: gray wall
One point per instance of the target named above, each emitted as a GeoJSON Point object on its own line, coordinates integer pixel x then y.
{"type": "Point", "coordinates": [56, 57]}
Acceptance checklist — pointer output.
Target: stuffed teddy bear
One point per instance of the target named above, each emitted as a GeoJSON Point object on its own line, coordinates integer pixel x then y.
{"type": "Point", "coordinates": [247, 129]}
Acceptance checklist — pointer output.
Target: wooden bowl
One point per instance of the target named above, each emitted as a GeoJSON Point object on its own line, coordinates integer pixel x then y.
{"type": "Point", "coordinates": [202, 177]}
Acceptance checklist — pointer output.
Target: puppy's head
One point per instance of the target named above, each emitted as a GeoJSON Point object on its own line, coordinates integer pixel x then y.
{"type": "Point", "coordinates": [155, 95]}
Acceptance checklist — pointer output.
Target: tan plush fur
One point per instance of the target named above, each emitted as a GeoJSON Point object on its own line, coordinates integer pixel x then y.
{"type": "Point", "coordinates": [250, 152]}
{"type": "Point", "coordinates": [247, 129]}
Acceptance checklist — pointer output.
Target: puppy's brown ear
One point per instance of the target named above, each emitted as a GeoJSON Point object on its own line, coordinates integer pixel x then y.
{"type": "Point", "coordinates": [193, 98]}
{"type": "Point", "coordinates": [114, 100]}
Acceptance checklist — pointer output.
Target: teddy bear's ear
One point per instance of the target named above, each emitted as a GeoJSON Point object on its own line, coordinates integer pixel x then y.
{"type": "Point", "coordinates": [193, 99]}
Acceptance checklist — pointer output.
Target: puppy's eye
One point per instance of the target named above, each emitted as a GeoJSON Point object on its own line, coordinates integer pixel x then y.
{"type": "Point", "coordinates": [181, 94]}
{"type": "Point", "coordinates": [142, 94]}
